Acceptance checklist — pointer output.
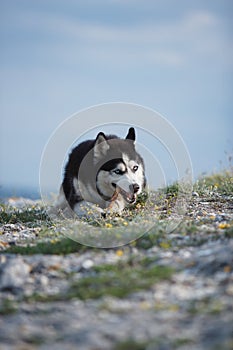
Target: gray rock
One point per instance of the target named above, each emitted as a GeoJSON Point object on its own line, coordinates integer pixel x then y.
{"type": "Point", "coordinates": [195, 194]}
{"type": "Point", "coordinates": [13, 274]}
{"type": "Point", "coordinates": [87, 264]}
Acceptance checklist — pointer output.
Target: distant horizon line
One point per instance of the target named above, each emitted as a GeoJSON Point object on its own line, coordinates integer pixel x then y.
{"type": "Point", "coordinates": [31, 192]}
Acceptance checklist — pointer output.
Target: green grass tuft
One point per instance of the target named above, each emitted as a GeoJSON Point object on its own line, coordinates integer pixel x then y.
{"type": "Point", "coordinates": [157, 343]}
{"type": "Point", "coordinates": [113, 280]}
{"type": "Point", "coordinates": [7, 307]}
{"type": "Point", "coordinates": [221, 183]}
{"type": "Point", "coordinates": [60, 247]}
{"type": "Point", "coordinates": [229, 232]}
{"type": "Point", "coordinates": [131, 344]}
{"type": "Point", "coordinates": [31, 216]}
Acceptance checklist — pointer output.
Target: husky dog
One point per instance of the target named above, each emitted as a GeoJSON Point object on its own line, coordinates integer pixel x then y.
{"type": "Point", "coordinates": [106, 174]}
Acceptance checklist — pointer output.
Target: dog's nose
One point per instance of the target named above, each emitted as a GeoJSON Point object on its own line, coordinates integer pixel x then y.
{"type": "Point", "coordinates": [136, 188]}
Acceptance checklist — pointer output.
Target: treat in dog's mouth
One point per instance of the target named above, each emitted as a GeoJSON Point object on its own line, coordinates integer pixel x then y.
{"type": "Point", "coordinates": [129, 197]}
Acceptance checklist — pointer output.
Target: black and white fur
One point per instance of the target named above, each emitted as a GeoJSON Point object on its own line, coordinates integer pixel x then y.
{"type": "Point", "coordinates": [95, 168]}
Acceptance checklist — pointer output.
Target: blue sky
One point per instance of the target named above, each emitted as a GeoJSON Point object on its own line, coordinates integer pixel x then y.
{"type": "Point", "coordinates": [58, 57]}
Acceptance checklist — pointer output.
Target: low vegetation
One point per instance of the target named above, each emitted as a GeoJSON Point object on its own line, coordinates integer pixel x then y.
{"type": "Point", "coordinates": [108, 280]}
{"type": "Point", "coordinates": [209, 202]}
{"type": "Point", "coordinates": [58, 272]}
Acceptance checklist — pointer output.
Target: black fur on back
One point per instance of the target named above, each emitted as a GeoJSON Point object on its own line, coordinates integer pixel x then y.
{"type": "Point", "coordinates": [72, 168]}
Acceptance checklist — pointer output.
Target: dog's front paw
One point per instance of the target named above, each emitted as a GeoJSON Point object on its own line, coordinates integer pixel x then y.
{"type": "Point", "coordinates": [88, 210]}
{"type": "Point", "coordinates": [116, 205]}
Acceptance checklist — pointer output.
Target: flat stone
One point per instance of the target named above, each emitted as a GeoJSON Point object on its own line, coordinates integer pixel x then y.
{"type": "Point", "coordinates": [13, 274]}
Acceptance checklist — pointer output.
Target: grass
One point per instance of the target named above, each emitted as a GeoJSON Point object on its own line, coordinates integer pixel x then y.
{"type": "Point", "coordinates": [112, 282]}
{"type": "Point", "coordinates": [155, 237]}
{"type": "Point", "coordinates": [221, 183]}
{"type": "Point", "coordinates": [158, 208]}
{"type": "Point", "coordinates": [131, 344]}
{"type": "Point", "coordinates": [229, 232]}
{"type": "Point", "coordinates": [7, 307]}
{"type": "Point", "coordinates": [157, 343]}
{"type": "Point", "coordinates": [59, 247]}
{"type": "Point", "coordinates": [132, 273]}
{"type": "Point", "coordinates": [32, 216]}
{"type": "Point", "coordinates": [206, 306]}
{"type": "Point", "coordinates": [108, 280]}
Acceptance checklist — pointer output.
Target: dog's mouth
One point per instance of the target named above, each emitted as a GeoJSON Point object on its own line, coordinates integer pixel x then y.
{"type": "Point", "coordinates": [129, 197]}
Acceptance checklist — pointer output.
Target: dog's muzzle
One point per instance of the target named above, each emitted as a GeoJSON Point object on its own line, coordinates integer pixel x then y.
{"type": "Point", "coordinates": [128, 191]}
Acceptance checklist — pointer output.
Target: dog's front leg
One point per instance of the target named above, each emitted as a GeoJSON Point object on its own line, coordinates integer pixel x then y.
{"type": "Point", "coordinates": [88, 210]}
{"type": "Point", "coordinates": [117, 204]}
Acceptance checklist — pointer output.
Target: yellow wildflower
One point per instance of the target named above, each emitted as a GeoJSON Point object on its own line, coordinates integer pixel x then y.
{"type": "Point", "coordinates": [164, 245]}
{"type": "Point", "coordinates": [173, 307]}
{"type": "Point", "coordinates": [119, 252]}
{"type": "Point", "coordinates": [223, 225]}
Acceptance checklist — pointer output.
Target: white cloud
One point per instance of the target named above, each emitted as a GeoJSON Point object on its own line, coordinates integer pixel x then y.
{"type": "Point", "coordinates": [172, 43]}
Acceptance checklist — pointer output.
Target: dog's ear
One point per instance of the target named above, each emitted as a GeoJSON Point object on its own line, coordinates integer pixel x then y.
{"type": "Point", "coordinates": [131, 135]}
{"type": "Point", "coordinates": [101, 147]}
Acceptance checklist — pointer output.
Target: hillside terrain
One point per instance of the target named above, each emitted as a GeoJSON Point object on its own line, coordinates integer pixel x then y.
{"type": "Point", "coordinates": [165, 290]}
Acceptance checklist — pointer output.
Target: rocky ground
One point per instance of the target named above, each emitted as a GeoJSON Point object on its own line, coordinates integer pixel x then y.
{"type": "Point", "coordinates": [163, 291]}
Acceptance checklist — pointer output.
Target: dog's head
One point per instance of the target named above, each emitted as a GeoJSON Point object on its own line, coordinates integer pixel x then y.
{"type": "Point", "coordinates": [119, 166]}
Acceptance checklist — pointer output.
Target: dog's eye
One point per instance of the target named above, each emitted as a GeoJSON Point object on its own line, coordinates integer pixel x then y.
{"type": "Point", "coordinates": [135, 168]}
{"type": "Point", "coordinates": [118, 172]}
